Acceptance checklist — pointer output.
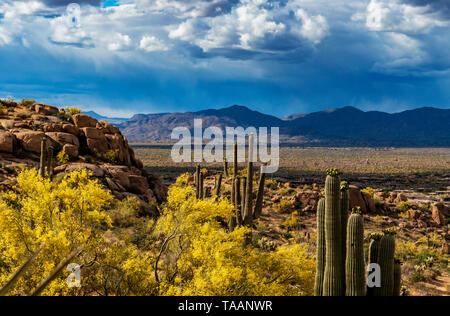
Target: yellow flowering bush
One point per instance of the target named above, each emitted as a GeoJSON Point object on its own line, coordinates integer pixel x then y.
{"type": "Point", "coordinates": [202, 258]}
{"type": "Point", "coordinates": [64, 216]}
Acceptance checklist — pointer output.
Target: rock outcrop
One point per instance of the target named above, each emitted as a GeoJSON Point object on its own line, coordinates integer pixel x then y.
{"type": "Point", "coordinates": [88, 144]}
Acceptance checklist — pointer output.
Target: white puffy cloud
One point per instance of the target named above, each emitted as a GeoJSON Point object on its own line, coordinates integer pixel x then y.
{"type": "Point", "coordinates": [5, 38]}
{"type": "Point", "coordinates": [254, 25]}
{"type": "Point", "coordinates": [119, 42]}
{"type": "Point", "coordinates": [314, 28]}
{"type": "Point", "coordinates": [382, 15]}
{"type": "Point", "coordinates": [152, 44]}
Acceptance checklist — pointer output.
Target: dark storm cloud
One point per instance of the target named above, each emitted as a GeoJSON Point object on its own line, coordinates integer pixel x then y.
{"type": "Point", "coordinates": [60, 3]}
{"type": "Point", "coordinates": [442, 7]}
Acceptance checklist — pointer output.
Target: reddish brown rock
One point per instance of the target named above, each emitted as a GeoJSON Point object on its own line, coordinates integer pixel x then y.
{"type": "Point", "coordinates": [46, 109]}
{"type": "Point", "coordinates": [109, 128]}
{"type": "Point", "coordinates": [31, 140]}
{"type": "Point", "coordinates": [71, 129]}
{"type": "Point", "coordinates": [370, 203]}
{"type": "Point", "coordinates": [356, 199]}
{"type": "Point", "coordinates": [96, 170]}
{"type": "Point", "coordinates": [437, 213]}
{"type": "Point", "coordinates": [138, 184]}
{"type": "Point", "coordinates": [64, 138]}
{"type": "Point", "coordinates": [83, 120]}
{"type": "Point", "coordinates": [400, 198]}
{"type": "Point", "coordinates": [7, 142]}
{"type": "Point", "coordinates": [71, 150]}
{"type": "Point", "coordinates": [52, 127]}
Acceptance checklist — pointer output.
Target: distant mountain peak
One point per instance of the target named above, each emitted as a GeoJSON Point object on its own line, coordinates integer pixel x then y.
{"type": "Point", "coordinates": [345, 126]}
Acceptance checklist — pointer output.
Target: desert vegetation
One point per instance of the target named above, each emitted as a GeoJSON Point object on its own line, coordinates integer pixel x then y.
{"type": "Point", "coordinates": [73, 191]}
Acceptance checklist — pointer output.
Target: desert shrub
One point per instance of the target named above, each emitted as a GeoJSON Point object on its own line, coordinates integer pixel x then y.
{"type": "Point", "coordinates": [287, 191]}
{"type": "Point", "coordinates": [183, 179]}
{"type": "Point", "coordinates": [62, 216]}
{"type": "Point", "coordinates": [292, 222]}
{"type": "Point", "coordinates": [62, 157]}
{"type": "Point", "coordinates": [124, 213]}
{"type": "Point", "coordinates": [271, 184]}
{"type": "Point", "coordinates": [285, 206]}
{"type": "Point", "coordinates": [369, 191]}
{"type": "Point", "coordinates": [405, 206]}
{"type": "Point", "coordinates": [71, 111]}
{"type": "Point", "coordinates": [112, 156]}
{"type": "Point", "coordinates": [27, 102]}
{"type": "Point", "coordinates": [202, 258]}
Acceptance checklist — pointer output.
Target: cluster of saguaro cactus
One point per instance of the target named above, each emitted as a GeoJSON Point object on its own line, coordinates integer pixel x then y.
{"type": "Point", "coordinates": [242, 191]}
{"type": "Point", "coordinates": [46, 160]}
{"type": "Point", "coordinates": [340, 248]}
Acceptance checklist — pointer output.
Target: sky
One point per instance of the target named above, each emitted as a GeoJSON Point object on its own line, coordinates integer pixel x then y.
{"type": "Point", "coordinates": [121, 57]}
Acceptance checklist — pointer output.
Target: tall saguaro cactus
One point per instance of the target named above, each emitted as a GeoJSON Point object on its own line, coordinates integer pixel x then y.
{"type": "Point", "coordinates": [43, 156]}
{"type": "Point", "coordinates": [260, 195]}
{"type": "Point", "coordinates": [320, 248]}
{"type": "Point", "coordinates": [197, 181]}
{"type": "Point", "coordinates": [344, 220]}
{"type": "Point", "coordinates": [218, 184]}
{"type": "Point", "coordinates": [386, 254]}
{"type": "Point", "coordinates": [333, 283]}
{"type": "Point", "coordinates": [50, 162]}
{"type": "Point", "coordinates": [354, 267]}
{"type": "Point", "coordinates": [225, 167]}
{"type": "Point", "coordinates": [248, 208]}
{"type": "Point", "coordinates": [372, 256]}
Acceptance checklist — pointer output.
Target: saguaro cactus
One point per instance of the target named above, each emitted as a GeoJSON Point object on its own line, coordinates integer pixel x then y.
{"type": "Point", "coordinates": [344, 220]}
{"type": "Point", "coordinates": [354, 267]}
{"type": "Point", "coordinates": [225, 167]}
{"type": "Point", "coordinates": [321, 249]}
{"type": "Point", "coordinates": [333, 283]}
{"type": "Point", "coordinates": [397, 277]}
{"type": "Point", "coordinates": [373, 255]}
{"type": "Point", "coordinates": [197, 182]}
{"type": "Point", "coordinates": [386, 254]}
{"type": "Point", "coordinates": [243, 193]}
{"type": "Point", "coordinates": [260, 195]}
{"type": "Point", "coordinates": [218, 184]}
{"type": "Point", "coordinates": [201, 188]}
{"type": "Point", "coordinates": [248, 209]}
{"type": "Point", "coordinates": [43, 156]}
{"type": "Point", "coordinates": [50, 162]}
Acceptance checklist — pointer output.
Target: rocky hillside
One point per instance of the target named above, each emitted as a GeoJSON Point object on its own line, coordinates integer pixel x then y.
{"type": "Point", "coordinates": [79, 142]}
{"type": "Point", "coordinates": [347, 126]}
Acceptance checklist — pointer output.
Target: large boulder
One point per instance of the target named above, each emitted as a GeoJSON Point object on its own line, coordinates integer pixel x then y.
{"type": "Point", "coordinates": [138, 184]}
{"type": "Point", "coordinates": [46, 109]}
{"type": "Point", "coordinates": [64, 138]}
{"type": "Point", "coordinates": [356, 199]}
{"type": "Point", "coordinates": [97, 171]}
{"type": "Point", "coordinates": [437, 213]}
{"type": "Point", "coordinates": [7, 141]}
{"type": "Point", "coordinates": [31, 140]}
{"type": "Point", "coordinates": [71, 129]}
{"type": "Point", "coordinates": [370, 203]}
{"type": "Point", "coordinates": [71, 150]}
{"type": "Point", "coordinates": [83, 120]}
{"type": "Point", "coordinates": [108, 128]}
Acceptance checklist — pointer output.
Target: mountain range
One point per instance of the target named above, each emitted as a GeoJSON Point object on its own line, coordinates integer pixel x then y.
{"type": "Point", "coordinates": [347, 126]}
